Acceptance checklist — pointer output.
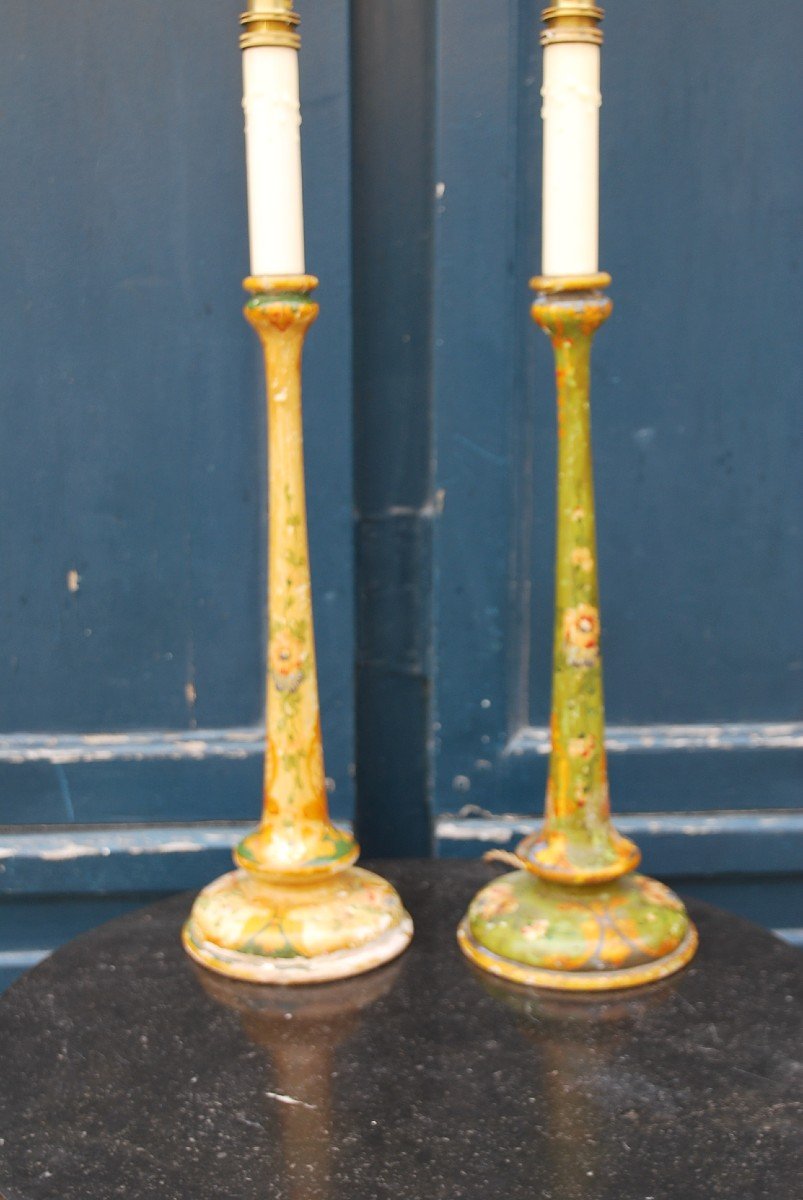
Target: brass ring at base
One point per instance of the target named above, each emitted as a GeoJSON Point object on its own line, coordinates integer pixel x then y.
{"type": "Point", "coordinates": [257, 968]}
{"type": "Point", "coordinates": [577, 981]}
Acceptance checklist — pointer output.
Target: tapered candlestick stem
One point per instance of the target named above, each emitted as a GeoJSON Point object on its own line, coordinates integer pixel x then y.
{"type": "Point", "coordinates": [296, 835]}
{"type": "Point", "coordinates": [577, 843]}
{"type": "Point", "coordinates": [291, 684]}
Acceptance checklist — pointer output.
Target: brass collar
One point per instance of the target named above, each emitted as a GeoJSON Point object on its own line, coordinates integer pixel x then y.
{"type": "Point", "coordinates": [270, 23]}
{"type": "Point", "coordinates": [572, 21]}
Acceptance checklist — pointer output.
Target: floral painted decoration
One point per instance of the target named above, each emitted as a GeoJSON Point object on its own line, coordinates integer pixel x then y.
{"type": "Point", "coordinates": [581, 635]}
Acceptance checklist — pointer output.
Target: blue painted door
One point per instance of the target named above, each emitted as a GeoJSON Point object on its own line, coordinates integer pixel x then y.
{"type": "Point", "coordinates": [132, 474]}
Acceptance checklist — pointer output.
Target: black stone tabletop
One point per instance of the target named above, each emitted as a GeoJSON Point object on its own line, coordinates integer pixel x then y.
{"type": "Point", "coordinates": [129, 1072]}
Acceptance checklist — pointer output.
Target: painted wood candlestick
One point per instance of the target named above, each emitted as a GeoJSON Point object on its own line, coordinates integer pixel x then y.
{"type": "Point", "coordinates": [296, 910]}
{"type": "Point", "coordinates": [575, 915]}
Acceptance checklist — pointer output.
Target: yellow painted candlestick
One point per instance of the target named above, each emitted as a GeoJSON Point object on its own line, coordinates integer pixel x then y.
{"type": "Point", "coordinates": [575, 916]}
{"type": "Point", "coordinates": [296, 910]}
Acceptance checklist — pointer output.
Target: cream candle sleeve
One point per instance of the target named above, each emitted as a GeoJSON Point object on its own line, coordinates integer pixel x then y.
{"type": "Point", "coordinates": [273, 158]}
{"type": "Point", "coordinates": [571, 103]}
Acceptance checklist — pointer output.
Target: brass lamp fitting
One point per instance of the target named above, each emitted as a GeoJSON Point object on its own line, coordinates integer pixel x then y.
{"type": "Point", "coordinates": [270, 23]}
{"type": "Point", "coordinates": [572, 21]}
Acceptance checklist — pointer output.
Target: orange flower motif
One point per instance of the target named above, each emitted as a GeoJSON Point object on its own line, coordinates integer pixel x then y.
{"type": "Point", "coordinates": [535, 929]}
{"type": "Point", "coordinates": [615, 951]}
{"type": "Point", "coordinates": [656, 893]}
{"type": "Point", "coordinates": [555, 852]}
{"type": "Point", "coordinates": [582, 747]}
{"type": "Point", "coordinates": [286, 661]}
{"type": "Point", "coordinates": [280, 315]}
{"type": "Point", "coordinates": [581, 626]}
{"type": "Point", "coordinates": [581, 635]}
{"type": "Point", "coordinates": [496, 901]}
{"type": "Point", "coordinates": [583, 558]}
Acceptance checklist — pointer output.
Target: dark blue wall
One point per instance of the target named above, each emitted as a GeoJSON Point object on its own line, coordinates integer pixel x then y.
{"type": "Point", "coordinates": [131, 410]}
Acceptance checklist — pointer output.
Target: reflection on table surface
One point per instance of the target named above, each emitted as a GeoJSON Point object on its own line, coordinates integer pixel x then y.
{"type": "Point", "coordinates": [300, 1028]}
{"type": "Point", "coordinates": [424, 1080]}
{"type": "Point", "coordinates": [570, 1039]}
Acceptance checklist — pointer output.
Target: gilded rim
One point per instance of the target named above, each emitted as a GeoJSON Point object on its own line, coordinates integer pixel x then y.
{"type": "Point", "coordinates": [527, 855]}
{"type": "Point", "coordinates": [256, 968]}
{"type": "Point", "coordinates": [577, 981]}
{"type": "Point", "coordinates": [584, 9]}
{"type": "Point", "coordinates": [554, 285]}
{"type": "Point", "coordinates": [260, 284]}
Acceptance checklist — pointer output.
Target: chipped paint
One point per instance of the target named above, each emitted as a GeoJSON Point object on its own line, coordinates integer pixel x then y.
{"type": "Point", "coordinates": [70, 850]}
{"type": "Point", "coordinates": [503, 827]}
{"type": "Point", "coordinates": [140, 747]}
{"type": "Point", "coordinates": [179, 847]}
{"type": "Point", "coordinates": [625, 739]}
{"type": "Point", "coordinates": [62, 846]}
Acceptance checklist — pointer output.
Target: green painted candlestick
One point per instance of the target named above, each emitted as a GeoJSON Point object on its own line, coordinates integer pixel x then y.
{"type": "Point", "coordinates": [575, 916]}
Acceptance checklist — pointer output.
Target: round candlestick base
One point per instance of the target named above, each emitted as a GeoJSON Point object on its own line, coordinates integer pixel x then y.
{"type": "Point", "coordinates": [588, 938]}
{"type": "Point", "coordinates": [264, 932]}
